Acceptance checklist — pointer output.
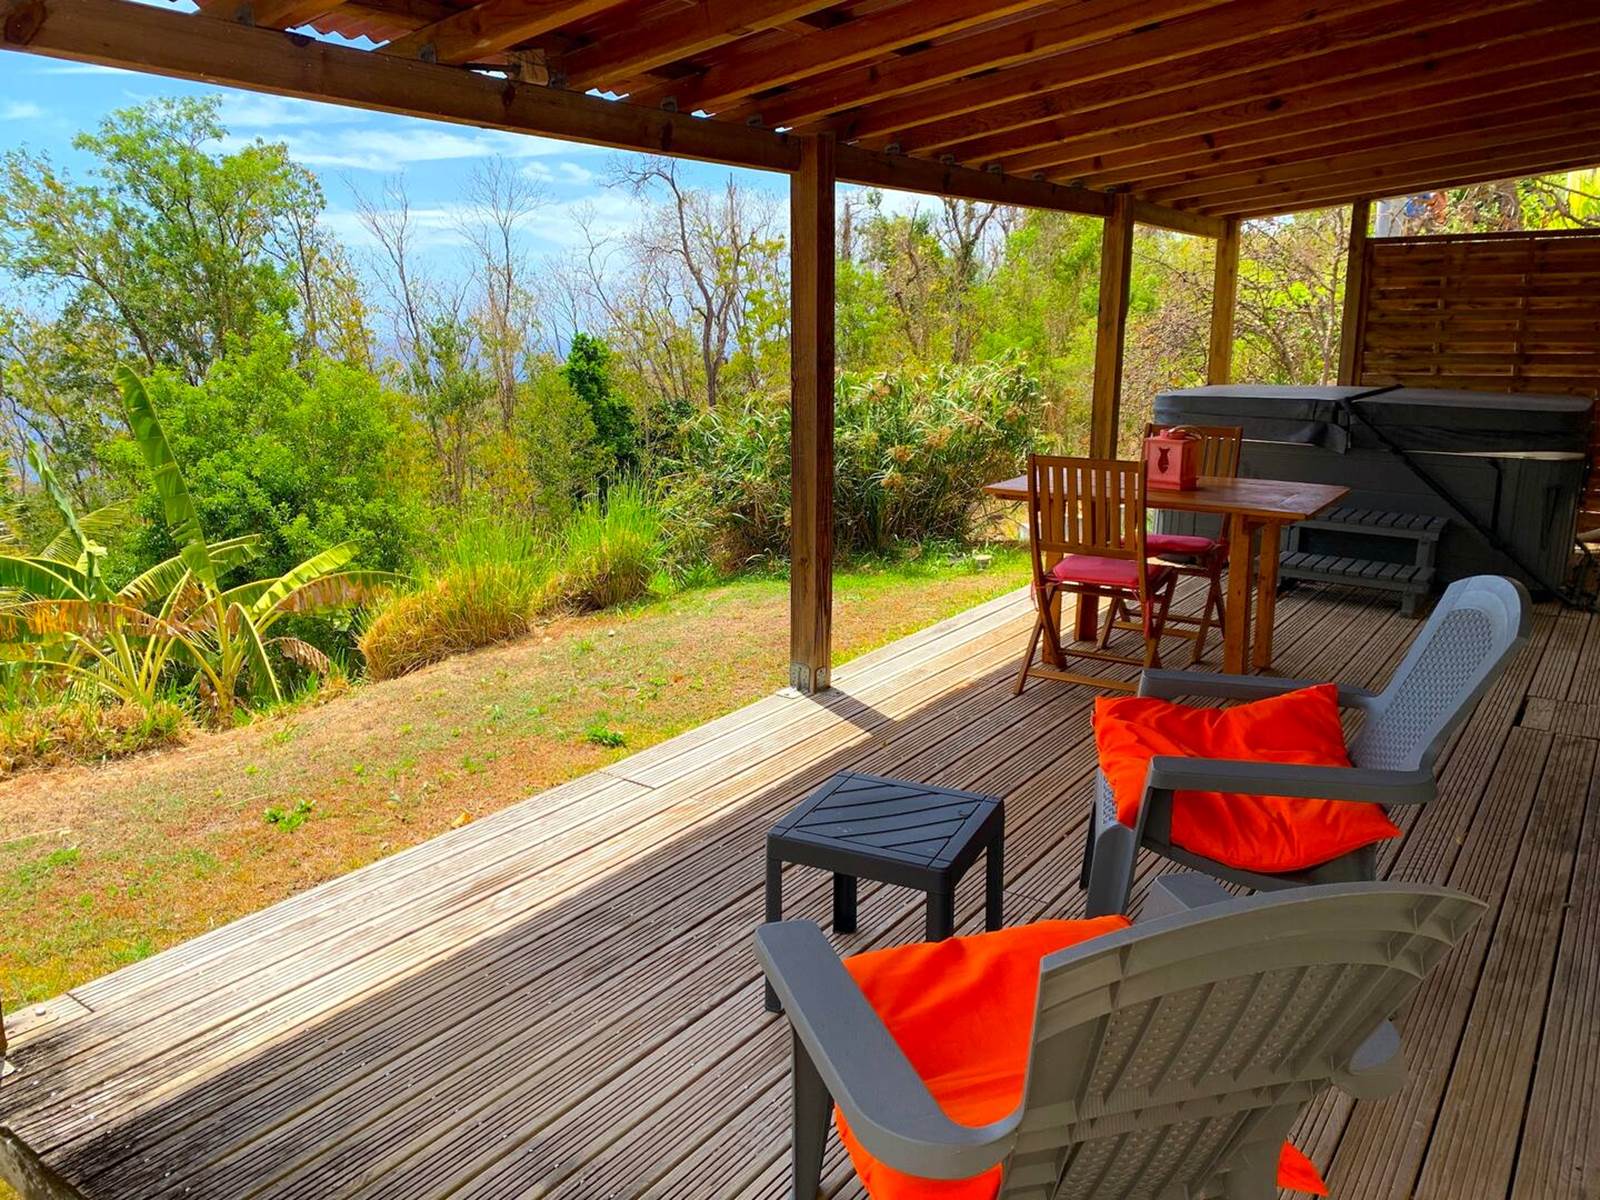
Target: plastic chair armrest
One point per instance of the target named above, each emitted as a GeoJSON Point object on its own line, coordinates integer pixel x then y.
{"type": "Point", "coordinates": [1172, 774]}
{"type": "Point", "coordinates": [888, 1106]}
{"type": "Point", "coordinates": [1171, 685]}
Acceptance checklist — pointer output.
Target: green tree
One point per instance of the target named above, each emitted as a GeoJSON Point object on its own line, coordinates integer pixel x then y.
{"type": "Point", "coordinates": [308, 456]}
{"type": "Point", "coordinates": [179, 246]}
{"type": "Point", "coordinates": [588, 375]}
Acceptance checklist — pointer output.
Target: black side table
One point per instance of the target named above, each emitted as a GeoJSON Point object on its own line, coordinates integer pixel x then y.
{"type": "Point", "coordinates": [896, 832]}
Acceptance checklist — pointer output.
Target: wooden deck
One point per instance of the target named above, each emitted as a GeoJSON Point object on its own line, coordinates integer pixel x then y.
{"type": "Point", "coordinates": [560, 1000]}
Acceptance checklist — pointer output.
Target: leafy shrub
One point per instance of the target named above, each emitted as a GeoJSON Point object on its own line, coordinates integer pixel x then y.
{"type": "Point", "coordinates": [86, 731]}
{"type": "Point", "coordinates": [303, 454]}
{"type": "Point", "coordinates": [611, 551]}
{"type": "Point", "coordinates": [493, 579]}
{"type": "Point", "coordinates": [912, 450]}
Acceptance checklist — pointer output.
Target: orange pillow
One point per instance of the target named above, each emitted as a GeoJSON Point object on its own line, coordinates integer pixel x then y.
{"type": "Point", "coordinates": [962, 1011]}
{"type": "Point", "coordinates": [1271, 834]}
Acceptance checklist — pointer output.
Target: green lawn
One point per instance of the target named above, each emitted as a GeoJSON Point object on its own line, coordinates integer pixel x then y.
{"type": "Point", "coordinates": [100, 867]}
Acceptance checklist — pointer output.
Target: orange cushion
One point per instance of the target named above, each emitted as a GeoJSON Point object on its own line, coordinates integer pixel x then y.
{"type": "Point", "coordinates": [1271, 834]}
{"type": "Point", "coordinates": [962, 1011]}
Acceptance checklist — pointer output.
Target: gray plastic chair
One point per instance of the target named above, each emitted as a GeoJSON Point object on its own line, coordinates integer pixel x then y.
{"type": "Point", "coordinates": [1169, 1059]}
{"type": "Point", "coordinates": [1475, 629]}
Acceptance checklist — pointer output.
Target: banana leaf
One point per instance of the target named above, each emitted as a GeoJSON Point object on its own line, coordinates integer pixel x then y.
{"type": "Point", "coordinates": [44, 581]}
{"type": "Point", "coordinates": [261, 672]}
{"type": "Point", "coordinates": [183, 520]}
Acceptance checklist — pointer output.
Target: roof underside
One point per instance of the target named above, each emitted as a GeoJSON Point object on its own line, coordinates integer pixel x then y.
{"type": "Point", "coordinates": [1237, 107]}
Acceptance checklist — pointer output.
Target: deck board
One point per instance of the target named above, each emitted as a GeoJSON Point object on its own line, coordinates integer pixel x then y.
{"type": "Point", "coordinates": [559, 1000]}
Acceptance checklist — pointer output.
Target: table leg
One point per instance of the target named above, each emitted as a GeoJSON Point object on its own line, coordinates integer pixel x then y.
{"type": "Point", "coordinates": [1267, 597]}
{"type": "Point", "coordinates": [774, 913]}
{"type": "Point", "coordinates": [844, 903]}
{"type": "Point", "coordinates": [941, 915]}
{"type": "Point", "coordinates": [1236, 622]}
{"type": "Point", "coordinates": [994, 890]}
{"type": "Point", "coordinates": [1087, 628]}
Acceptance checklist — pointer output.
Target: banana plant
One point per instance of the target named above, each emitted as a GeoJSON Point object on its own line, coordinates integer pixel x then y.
{"type": "Point", "coordinates": [58, 612]}
{"type": "Point", "coordinates": [229, 630]}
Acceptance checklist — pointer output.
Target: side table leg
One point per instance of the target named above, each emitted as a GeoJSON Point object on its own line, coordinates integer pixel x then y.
{"type": "Point", "coordinates": [941, 915]}
{"type": "Point", "coordinates": [994, 897]}
{"type": "Point", "coordinates": [774, 913]}
{"type": "Point", "coordinates": [844, 903]}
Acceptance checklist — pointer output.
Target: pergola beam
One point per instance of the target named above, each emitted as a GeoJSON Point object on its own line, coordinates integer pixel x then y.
{"type": "Point", "coordinates": [811, 349]}
{"type": "Point", "coordinates": [187, 46]}
{"type": "Point", "coordinates": [1111, 327]}
{"type": "Point", "coordinates": [1224, 300]}
{"type": "Point", "coordinates": [1355, 284]}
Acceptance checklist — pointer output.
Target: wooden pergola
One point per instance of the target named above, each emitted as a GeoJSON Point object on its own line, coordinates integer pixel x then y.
{"type": "Point", "coordinates": [1190, 115]}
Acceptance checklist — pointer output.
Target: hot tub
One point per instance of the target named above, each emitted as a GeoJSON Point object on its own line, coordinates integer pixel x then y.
{"type": "Point", "coordinates": [1513, 463]}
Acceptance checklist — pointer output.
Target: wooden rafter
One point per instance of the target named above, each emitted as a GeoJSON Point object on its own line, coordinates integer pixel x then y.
{"type": "Point", "coordinates": [737, 76]}
{"type": "Point", "coordinates": [1042, 123]}
{"type": "Point", "coordinates": [1280, 93]}
{"type": "Point", "coordinates": [1019, 42]}
{"type": "Point", "coordinates": [475, 33]}
{"type": "Point", "coordinates": [1448, 106]}
{"type": "Point", "coordinates": [1570, 157]}
{"type": "Point", "coordinates": [1574, 113]}
{"type": "Point", "coordinates": [669, 35]}
{"type": "Point", "coordinates": [1163, 57]}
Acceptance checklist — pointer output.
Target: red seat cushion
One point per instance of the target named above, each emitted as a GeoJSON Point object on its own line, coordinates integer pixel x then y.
{"type": "Point", "coordinates": [1179, 543]}
{"type": "Point", "coordinates": [1271, 834]}
{"type": "Point", "coordinates": [962, 1011]}
{"type": "Point", "coordinates": [1107, 572]}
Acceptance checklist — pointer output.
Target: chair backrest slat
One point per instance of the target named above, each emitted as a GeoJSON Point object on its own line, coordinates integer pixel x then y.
{"type": "Point", "coordinates": [1476, 627]}
{"type": "Point", "coordinates": [1085, 506]}
{"type": "Point", "coordinates": [1174, 1054]}
{"type": "Point", "coordinates": [1220, 446]}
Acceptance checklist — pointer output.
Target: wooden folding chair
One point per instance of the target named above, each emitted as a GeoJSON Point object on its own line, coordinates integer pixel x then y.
{"type": "Point", "coordinates": [1086, 519]}
{"type": "Point", "coordinates": [1189, 554]}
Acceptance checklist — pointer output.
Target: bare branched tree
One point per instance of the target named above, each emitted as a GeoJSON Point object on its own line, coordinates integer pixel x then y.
{"type": "Point", "coordinates": [501, 200]}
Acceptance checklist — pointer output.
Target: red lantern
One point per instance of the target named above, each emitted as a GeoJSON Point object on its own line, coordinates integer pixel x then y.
{"type": "Point", "coordinates": [1172, 460]}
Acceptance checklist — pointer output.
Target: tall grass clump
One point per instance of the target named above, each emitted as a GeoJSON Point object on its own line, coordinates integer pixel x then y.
{"type": "Point", "coordinates": [491, 579]}
{"type": "Point", "coordinates": [611, 551]}
{"type": "Point", "coordinates": [494, 578]}
{"type": "Point", "coordinates": [912, 451]}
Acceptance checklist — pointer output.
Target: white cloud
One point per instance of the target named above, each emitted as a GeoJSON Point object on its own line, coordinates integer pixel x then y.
{"type": "Point", "coordinates": [365, 147]}
{"type": "Point", "coordinates": [20, 110]}
{"type": "Point", "coordinates": [561, 173]}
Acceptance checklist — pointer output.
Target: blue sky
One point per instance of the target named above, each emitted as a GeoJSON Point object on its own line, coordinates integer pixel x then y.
{"type": "Point", "coordinates": [44, 103]}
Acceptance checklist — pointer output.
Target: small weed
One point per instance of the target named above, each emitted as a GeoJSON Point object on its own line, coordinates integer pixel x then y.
{"type": "Point", "coordinates": [31, 873]}
{"type": "Point", "coordinates": [290, 819]}
{"type": "Point", "coordinates": [600, 735]}
{"type": "Point", "coordinates": [472, 766]}
{"type": "Point", "coordinates": [283, 736]}
{"type": "Point", "coordinates": [252, 769]}
{"type": "Point", "coordinates": [359, 770]}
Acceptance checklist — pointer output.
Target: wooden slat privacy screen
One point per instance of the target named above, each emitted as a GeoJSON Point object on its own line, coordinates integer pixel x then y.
{"type": "Point", "coordinates": [1516, 312]}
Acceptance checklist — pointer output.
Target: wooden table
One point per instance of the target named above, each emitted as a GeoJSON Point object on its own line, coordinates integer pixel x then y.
{"type": "Point", "coordinates": [1260, 508]}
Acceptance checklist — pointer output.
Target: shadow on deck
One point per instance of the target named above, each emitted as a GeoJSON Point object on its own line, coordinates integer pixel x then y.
{"type": "Point", "coordinates": [561, 1000]}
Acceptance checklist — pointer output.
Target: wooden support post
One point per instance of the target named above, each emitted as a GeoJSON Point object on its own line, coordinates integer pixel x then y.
{"type": "Point", "coordinates": [811, 272]}
{"type": "Point", "coordinates": [1224, 297]}
{"type": "Point", "coordinates": [1355, 286]}
{"type": "Point", "coordinates": [1116, 268]}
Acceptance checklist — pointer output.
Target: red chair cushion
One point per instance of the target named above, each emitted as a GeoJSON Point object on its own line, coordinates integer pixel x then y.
{"type": "Point", "coordinates": [1107, 572]}
{"type": "Point", "coordinates": [1271, 834]}
{"type": "Point", "coordinates": [962, 1011]}
{"type": "Point", "coordinates": [1179, 543]}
